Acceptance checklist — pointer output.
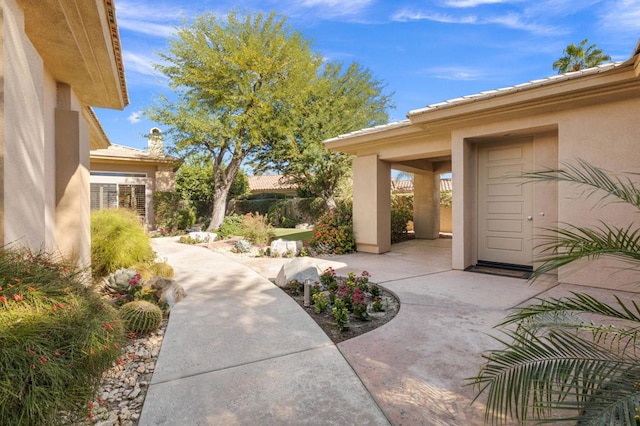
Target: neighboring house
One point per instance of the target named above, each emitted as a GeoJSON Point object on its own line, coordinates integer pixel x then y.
{"type": "Point", "coordinates": [59, 58]}
{"type": "Point", "coordinates": [488, 139]}
{"type": "Point", "coordinates": [271, 184]}
{"type": "Point", "coordinates": [127, 177]}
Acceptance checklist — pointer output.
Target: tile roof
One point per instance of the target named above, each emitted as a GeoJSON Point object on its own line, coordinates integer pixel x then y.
{"type": "Point", "coordinates": [406, 185]}
{"type": "Point", "coordinates": [121, 151]}
{"type": "Point", "coordinates": [483, 96]}
{"type": "Point", "coordinates": [517, 88]}
{"type": "Point", "coordinates": [269, 183]}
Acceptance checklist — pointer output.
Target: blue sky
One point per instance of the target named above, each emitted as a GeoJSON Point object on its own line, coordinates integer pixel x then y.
{"type": "Point", "coordinates": [424, 51]}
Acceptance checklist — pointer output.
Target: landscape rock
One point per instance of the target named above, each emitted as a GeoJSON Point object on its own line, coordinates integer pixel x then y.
{"type": "Point", "coordinates": [203, 237]}
{"type": "Point", "coordinates": [299, 269]}
{"type": "Point", "coordinates": [167, 290]}
{"type": "Point", "coordinates": [281, 246]}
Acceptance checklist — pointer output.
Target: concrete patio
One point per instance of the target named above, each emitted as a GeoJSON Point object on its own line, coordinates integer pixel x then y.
{"type": "Point", "coordinates": [237, 351]}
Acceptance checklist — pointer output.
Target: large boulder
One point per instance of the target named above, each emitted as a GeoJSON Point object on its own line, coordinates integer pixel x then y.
{"type": "Point", "coordinates": [167, 290]}
{"type": "Point", "coordinates": [281, 247]}
{"type": "Point", "coordinates": [299, 269]}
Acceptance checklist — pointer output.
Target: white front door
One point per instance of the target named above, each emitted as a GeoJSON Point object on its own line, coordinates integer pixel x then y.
{"type": "Point", "coordinates": [505, 204]}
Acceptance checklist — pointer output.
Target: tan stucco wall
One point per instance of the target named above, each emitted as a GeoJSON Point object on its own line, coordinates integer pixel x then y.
{"type": "Point", "coordinates": [446, 222]}
{"type": "Point", "coordinates": [159, 178]}
{"type": "Point", "coordinates": [24, 130]}
{"type": "Point", "coordinates": [371, 204]}
{"type": "Point", "coordinates": [607, 136]}
{"type": "Point", "coordinates": [46, 154]}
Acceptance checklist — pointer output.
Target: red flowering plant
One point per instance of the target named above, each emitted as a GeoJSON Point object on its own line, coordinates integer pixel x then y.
{"type": "Point", "coordinates": [333, 234]}
{"type": "Point", "coordinates": [57, 336]}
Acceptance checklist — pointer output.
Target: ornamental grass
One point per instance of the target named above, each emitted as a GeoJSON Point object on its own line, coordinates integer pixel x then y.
{"type": "Point", "coordinates": [57, 336]}
{"type": "Point", "coordinates": [118, 240]}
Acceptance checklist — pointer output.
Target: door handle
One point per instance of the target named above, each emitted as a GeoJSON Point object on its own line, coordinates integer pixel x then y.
{"type": "Point", "coordinates": [529, 218]}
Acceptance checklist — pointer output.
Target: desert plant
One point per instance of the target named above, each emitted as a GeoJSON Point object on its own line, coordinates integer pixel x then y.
{"type": "Point", "coordinates": [575, 356]}
{"type": "Point", "coordinates": [242, 246]}
{"type": "Point", "coordinates": [161, 269]}
{"type": "Point", "coordinates": [118, 240]}
{"type": "Point", "coordinates": [141, 316]}
{"type": "Point", "coordinates": [122, 281]}
{"type": "Point", "coordinates": [257, 229]}
{"type": "Point", "coordinates": [56, 337]}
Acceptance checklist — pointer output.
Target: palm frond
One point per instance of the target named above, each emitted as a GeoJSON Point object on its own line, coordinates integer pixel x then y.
{"type": "Point", "coordinates": [594, 179]}
{"type": "Point", "coordinates": [533, 376]}
{"type": "Point", "coordinates": [561, 246]}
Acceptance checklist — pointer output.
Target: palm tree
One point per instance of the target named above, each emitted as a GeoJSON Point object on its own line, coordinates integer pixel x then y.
{"type": "Point", "coordinates": [574, 358]}
{"type": "Point", "coordinates": [576, 58]}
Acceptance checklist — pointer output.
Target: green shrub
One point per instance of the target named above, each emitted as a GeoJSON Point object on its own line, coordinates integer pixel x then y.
{"type": "Point", "coordinates": [141, 316]}
{"type": "Point", "coordinates": [256, 229]}
{"type": "Point", "coordinates": [401, 214]}
{"type": "Point", "coordinates": [57, 336]}
{"type": "Point", "coordinates": [334, 232]}
{"type": "Point", "coordinates": [161, 269]}
{"type": "Point", "coordinates": [117, 241]}
{"type": "Point", "coordinates": [284, 213]}
{"type": "Point", "coordinates": [165, 207]}
{"type": "Point", "coordinates": [185, 218]}
{"type": "Point", "coordinates": [231, 225]}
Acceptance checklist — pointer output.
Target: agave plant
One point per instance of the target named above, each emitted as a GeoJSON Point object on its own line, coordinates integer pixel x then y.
{"type": "Point", "coordinates": [573, 359]}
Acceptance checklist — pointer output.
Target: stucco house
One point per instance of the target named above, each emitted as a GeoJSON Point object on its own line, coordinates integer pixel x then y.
{"type": "Point", "coordinates": [488, 139]}
{"type": "Point", "coordinates": [59, 58]}
{"type": "Point", "coordinates": [127, 177]}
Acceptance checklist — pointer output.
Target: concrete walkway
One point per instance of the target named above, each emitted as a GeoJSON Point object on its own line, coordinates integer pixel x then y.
{"type": "Point", "coordinates": [239, 351]}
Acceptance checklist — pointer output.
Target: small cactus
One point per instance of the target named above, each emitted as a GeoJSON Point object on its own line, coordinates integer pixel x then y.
{"type": "Point", "coordinates": [141, 316]}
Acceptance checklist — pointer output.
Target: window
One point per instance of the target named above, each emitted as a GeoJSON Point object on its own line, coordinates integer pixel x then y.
{"type": "Point", "coordinates": [111, 196]}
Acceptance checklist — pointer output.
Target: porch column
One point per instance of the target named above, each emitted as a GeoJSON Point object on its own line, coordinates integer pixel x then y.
{"type": "Point", "coordinates": [426, 205]}
{"type": "Point", "coordinates": [73, 210]}
{"type": "Point", "coordinates": [372, 204]}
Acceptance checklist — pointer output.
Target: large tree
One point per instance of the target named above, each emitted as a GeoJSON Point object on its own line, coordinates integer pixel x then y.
{"type": "Point", "coordinates": [339, 101]}
{"type": "Point", "coordinates": [238, 82]}
{"type": "Point", "coordinates": [577, 57]}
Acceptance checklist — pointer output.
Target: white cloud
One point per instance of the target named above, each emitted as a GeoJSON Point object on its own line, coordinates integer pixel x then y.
{"type": "Point", "coordinates": [622, 15]}
{"type": "Point", "coordinates": [455, 73]}
{"type": "Point", "coordinates": [147, 28]}
{"type": "Point", "coordinates": [472, 3]}
{"type": "Point", "coordinates": [408, 15]}
{"type": "Point", "coordinates": [135, 117]}
{"type": "Point", "coordinates": [140, 64]}
{"type": "Point", "coordinates": [516, 22]}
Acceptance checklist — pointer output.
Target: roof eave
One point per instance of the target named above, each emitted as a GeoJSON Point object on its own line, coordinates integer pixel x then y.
{"type": "Point", "coordinates": [80, 45]}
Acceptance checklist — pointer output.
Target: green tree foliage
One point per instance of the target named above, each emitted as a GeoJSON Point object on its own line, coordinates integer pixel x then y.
{"type": "Point", "coordinates": [238, 83]}
{"type": "Point", "coordinates": [574, 358]}
{"type": "Point", "coordinates": [577, 57]}
{"type": "Point", "coordinates": [339, 101]}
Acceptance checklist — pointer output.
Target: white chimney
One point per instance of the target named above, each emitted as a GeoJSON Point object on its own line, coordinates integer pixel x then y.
{"type": "Point", "coordinates": [154, 145]}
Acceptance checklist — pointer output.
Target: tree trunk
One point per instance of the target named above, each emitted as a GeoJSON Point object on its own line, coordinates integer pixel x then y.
{"type": "Point", "coordinates": [222, 179]}
{"type": "Point", "coordinates": [330, 203]}
{"type": "Point", "coordinates": [219, 208]}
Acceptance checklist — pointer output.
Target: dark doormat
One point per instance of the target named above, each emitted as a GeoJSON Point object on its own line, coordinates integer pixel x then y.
{"type": "Point", "coordinates": [503, 272]}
